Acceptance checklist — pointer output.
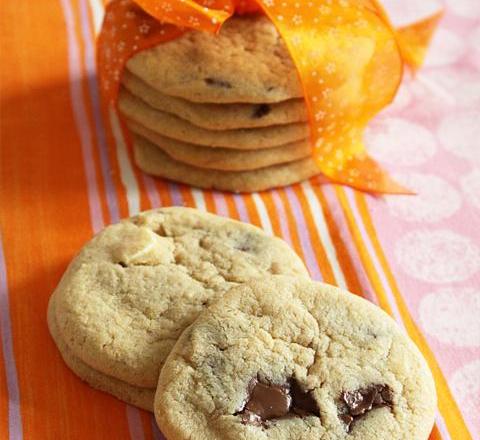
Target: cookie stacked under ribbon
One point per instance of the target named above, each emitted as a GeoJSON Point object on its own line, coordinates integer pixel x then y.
{"type": "Point", "coordinates": [219, 111]}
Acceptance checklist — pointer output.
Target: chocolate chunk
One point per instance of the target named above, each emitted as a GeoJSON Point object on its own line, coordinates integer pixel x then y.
{"type": "Point", "coordinates": [267, 401]}
{"type": "Point", "coordinates": [261, 111]}
{"type": "Point", "coordinates": [347, 419]}
{"type": "Point", "coordinates": [303, 402]}
{"type": "Point", "coordinates": [361, 401]}
{"type": "Point", "coordinates": [387, 394]}
{"type": "Point", "coordinates": [244, 247]}
{"type": "Point", "coordinates": [215, 82]}
{"type": "Point", "coordinates": [245, 243]}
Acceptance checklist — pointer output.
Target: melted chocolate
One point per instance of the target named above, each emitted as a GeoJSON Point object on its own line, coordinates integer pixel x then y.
{"type": "Point", "coordinates": [261, 111]}
{"type": "Point", "coordinates": [269, 401]}
{"type": "Point", "coordinates": [361, 401]}
{"type": "Point", "coordinates": [303, 402]}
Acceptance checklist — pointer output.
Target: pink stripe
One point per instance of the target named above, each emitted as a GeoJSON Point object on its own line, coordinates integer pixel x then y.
{"type": "Point", "coordinates": [221, 207]}
{"type": "Point", "coordinates": [302, 229]}
{"type": "Point", "coordinates": [152, 192]}
{"type": "Point", "coordinates": [81, 119]}
{"type": "Point", "coordinates": [135, 423]}
{"type": "Point", "coordinates": [14, 415]}
{"type": "Point", "coordinates": [157, 435]}
{"type": "Point", "coordinates": [282, 215]}
{"type": "Point", "coordinates": [175, 193]}
{"type": "Point", "coordinates": [242, 209]}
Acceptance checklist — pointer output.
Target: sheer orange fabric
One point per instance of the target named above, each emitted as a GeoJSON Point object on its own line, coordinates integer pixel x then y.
{"type": "Point", "coordinates": [349, 59]}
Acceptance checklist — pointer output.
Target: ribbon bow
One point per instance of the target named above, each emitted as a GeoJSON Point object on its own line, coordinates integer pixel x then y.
{"type": "Point", "coordinates": [349, 57]}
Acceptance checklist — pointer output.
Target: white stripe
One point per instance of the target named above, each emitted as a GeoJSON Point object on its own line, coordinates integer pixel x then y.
{"type": "Point", "coordinates": [324, 233]}
{"type": "Point", "coordinates": [96, 6]}
{"type": "Point", "coordinates": [199, 199]}
{"type": "Point", "coordinates": [126, 171]}
{"type": "Point", "coordinates": [263, 214]}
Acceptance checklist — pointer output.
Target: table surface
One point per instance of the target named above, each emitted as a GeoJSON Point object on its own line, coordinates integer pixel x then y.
{"type": "Point", "coordinates": [65, 173]}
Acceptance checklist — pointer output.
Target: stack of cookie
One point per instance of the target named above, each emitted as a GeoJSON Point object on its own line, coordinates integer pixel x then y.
{"type": "Point", "coordinates": [217, 328]}
{"type": "Point", "coordinates": [219, 111]}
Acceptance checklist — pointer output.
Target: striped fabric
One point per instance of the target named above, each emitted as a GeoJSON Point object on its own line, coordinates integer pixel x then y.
{"type": "Point", "coordinates": [65, 172]}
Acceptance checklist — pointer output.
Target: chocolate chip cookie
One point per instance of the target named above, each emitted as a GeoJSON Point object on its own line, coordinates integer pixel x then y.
{"type": "Point", "coordinates": [225, 159]}
{"type": "Point", "coordinates": [133, 289]}
{"type": "Point", "coordinates": [286, 358]}
{"type": "Point", "coordinates": [153, 160]}
{"type": "Point", "coordinates": [171, 126]}
{"type": "Point", "coordinates": [218, 116]}
{"type": "Point", "coordinates": [246, 62]}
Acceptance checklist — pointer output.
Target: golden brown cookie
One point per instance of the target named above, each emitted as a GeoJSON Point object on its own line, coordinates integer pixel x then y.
{"type": "Point", "coordinates": [226, 159]}
{"type": "Point", "coordinates": [174, 127]}
{"type": "Point", "coordinates": [218, 116]}
{"type": "Point", "coordinates": [132, 290]}
{"type": "Point", "coordinates": [281, 358]}
{"type": "Point", "coordinates": [153, 160]}
{"type": "Point", "coordinates": [246, 62]}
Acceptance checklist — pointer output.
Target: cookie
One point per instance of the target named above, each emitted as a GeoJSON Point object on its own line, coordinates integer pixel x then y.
{"type": "Point", "coordinates": [133, 289]}
{"type": "Point", "coordinates": [153, 160]}
{"type": "Point", "coordinates": [284, 358]}
{"type": "Point", "coordinates": [218, 116]}
{"type": "Point", "coordinates": [138, 396]}
{"type": "Point", "coordinates": [224, 158]}
{"type": "Point", "coordinates": [174, 127]}
{"type": "Point", "coordinates": [246, 62]}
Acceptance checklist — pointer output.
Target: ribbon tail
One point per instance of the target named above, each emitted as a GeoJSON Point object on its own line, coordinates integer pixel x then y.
{"type": "Point", "coordinates": [366, 174]}
{"type": "Point", "coordinates": [415, 38]}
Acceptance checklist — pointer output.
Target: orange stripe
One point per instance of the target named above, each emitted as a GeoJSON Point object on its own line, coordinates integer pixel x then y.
{"type": "Point", "coordinates": [252, 210]}
{"type": "Point", "coordinates": [187, 196]}
{"type": "Point", "coordinates": [272, 213]}
{"type": "Point", "coordinates": [209, 201]}
{"type": "Point", "coordinates": [164, 194]}
{"type": "Point", "coordinates": [343, 256]}
{"type": "Point", "coordinates": [292, 224]}
{"type": "Point", "coordinates": [317, 245]}
{"type": "Point", "coordinates": [41, 165]}
{"type": "Point", "coordinates": [447, 405]}
{"type": "Point", "coordinates": [232, 208]}
{"type": "Point", "coordinates": [435, 434]}
{"type": "Point", "coordinates": [362, 250]}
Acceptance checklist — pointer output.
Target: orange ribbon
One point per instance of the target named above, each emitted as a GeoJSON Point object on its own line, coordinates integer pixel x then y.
{"type": "Point", "coordinates": [349, 58]}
